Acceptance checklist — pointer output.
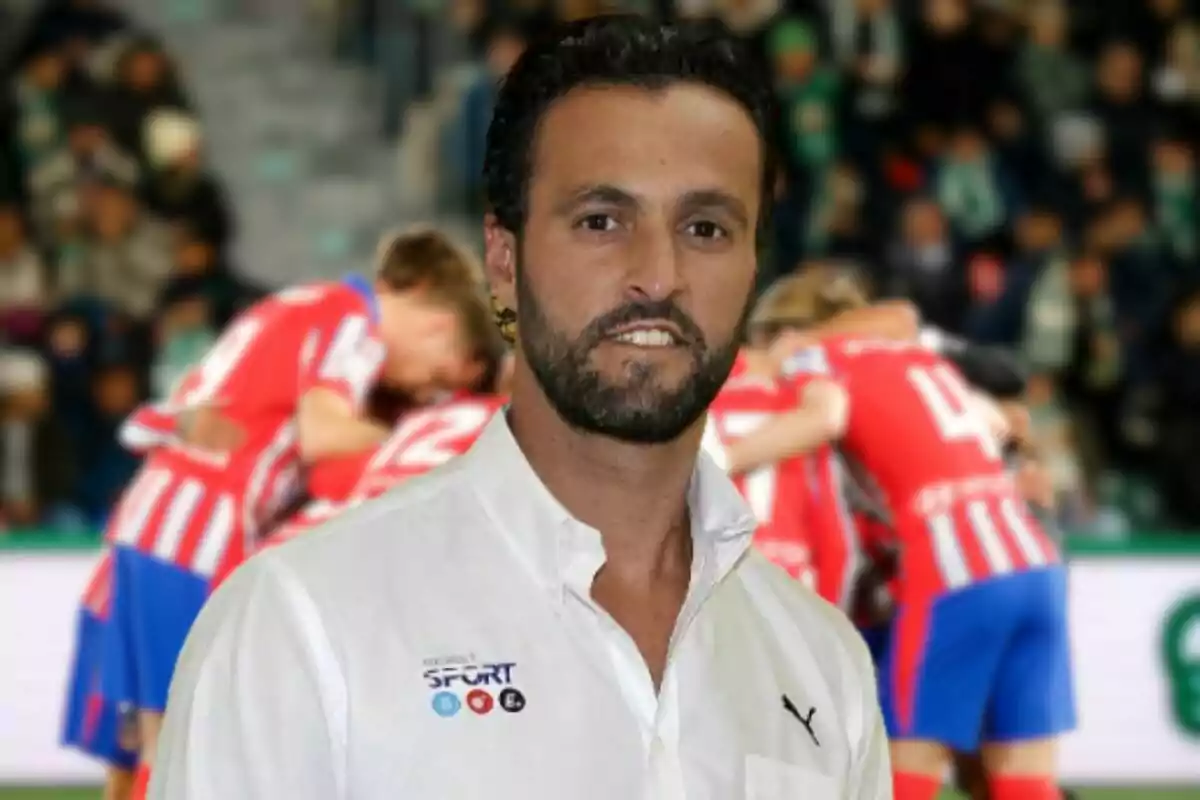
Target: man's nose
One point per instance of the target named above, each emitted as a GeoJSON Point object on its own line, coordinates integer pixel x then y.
{"type": "Point", "coordinates": [655, 271]}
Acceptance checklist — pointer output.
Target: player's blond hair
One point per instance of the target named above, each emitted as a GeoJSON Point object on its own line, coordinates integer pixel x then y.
{"type": "Point", "coordinates": [810, 296]}
{"type": "Point", "coordinates": [424, 258]}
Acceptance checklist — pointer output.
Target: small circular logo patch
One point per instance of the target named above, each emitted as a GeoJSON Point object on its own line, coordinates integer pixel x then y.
{"type": "Point", "coordinates": [480, 701]}
{"type": "Point", "coordinates": [512, 700]}
{"type": "Point", "coordinates": [446, 704]}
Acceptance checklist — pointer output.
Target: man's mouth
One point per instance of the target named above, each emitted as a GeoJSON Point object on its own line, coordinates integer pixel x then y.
{"type": "Point", "coordinates": [647, 335]}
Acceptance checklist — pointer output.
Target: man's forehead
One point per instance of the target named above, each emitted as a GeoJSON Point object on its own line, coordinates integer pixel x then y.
{"type": "Point", "coordinates": [617, 135]}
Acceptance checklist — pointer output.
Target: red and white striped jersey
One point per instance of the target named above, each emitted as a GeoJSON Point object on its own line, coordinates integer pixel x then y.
{"type": "Point", "coordinates": [308, 337]}
{"type": "Point", "coordinates": [185, 516]}
{"type": "Point", "coordinates": [780, 495]}
{"type": "Point", "coordinates": [915, 428]}
{"type": "Point", "coordinates": [830, 526]}
{"type": "Point", "coordinates": [422, 440]}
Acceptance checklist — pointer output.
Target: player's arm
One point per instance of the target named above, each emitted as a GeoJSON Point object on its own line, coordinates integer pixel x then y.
{"type": "Point", "coordinates": [994, 418]}
{"type": "Point", "coordinates": [329, 426]}
{"type": "Point", "coordinates": [333, 384]}
{"type": "Point", "coordinates": [995, 370]}
{"type": "Point", "coordinates": [258, 702]}
{"type": "Point", "coordinates": [818, 419]}
{"type": "Point", "coordinates": [152, 425]}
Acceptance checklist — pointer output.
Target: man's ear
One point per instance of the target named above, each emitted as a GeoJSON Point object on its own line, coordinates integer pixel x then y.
{"type": "Point", "coordinates": [500, 261]}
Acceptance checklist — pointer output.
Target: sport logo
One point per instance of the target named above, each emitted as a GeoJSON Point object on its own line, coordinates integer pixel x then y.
{"type": "Point", "coordinates": [451, 675]}
{"type": "Point", "coordinates": [447, 676]}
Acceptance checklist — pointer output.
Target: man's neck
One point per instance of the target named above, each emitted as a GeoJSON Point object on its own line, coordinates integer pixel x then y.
{"type": "Point", "coordinates": [635, 495]}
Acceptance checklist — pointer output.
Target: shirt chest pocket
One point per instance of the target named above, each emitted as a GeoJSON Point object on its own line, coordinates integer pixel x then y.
{"type": "Point", "coordinates": [771, 779]}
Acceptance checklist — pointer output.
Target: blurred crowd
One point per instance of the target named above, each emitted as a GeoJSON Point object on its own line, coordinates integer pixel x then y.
{"type": "Point", "coordinates": [1024, 170]}
{"type": "Point", "coordinates": [113, 276]}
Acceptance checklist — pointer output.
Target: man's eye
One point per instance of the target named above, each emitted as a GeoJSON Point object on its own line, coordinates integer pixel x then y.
{"type": "Point", "coordinates": [707, 229]}
{"type": "Point", "coordinates": [600, 223]}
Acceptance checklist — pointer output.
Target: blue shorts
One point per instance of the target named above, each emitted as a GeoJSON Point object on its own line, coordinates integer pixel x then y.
{"type": "Point", "coordinates": [988, 663]}
{"type": "Point", "coordinates": [91, 722]}
{"type": "Point", "coordinates": [153, 607]}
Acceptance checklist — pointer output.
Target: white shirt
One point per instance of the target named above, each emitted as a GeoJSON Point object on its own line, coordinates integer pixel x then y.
{"type": "Point", "coordinates": [441, 643]}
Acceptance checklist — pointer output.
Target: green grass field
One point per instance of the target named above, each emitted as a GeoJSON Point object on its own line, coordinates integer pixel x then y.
{"type": "Point", "coordinates": [1086, 794]}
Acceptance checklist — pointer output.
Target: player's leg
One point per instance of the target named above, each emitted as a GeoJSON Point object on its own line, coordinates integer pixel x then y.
{"type": "Point", "coordinates": [166, 601]}
{"type": "Point", "coordinates": [934, 688]}
{"type": "Point", "coordinates": [118, 784]}
{"type": "Point", "coordinates": [1033, 700]}
{"type": "Point", "coordinates": [91, 724]}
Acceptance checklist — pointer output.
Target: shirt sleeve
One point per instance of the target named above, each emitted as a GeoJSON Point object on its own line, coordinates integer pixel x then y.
{"type": "Point", "coordinates": [149, 426]}
{"type": "Point", "coordinates": [258, 704]}
{"type": "Point", "coordinates": [870, 770]}
{"type": "Point", "coordinates": [346, 358]}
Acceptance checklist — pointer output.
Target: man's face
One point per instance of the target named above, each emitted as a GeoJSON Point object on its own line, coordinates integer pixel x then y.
{"type": "Point", "coordinates": [425, 346]}
{"type": "Point", "coordinates": [636, 263]}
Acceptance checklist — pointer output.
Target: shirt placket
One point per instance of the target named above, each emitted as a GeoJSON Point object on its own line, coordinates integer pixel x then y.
{"type": "Point", "coordinates": [657, 713]}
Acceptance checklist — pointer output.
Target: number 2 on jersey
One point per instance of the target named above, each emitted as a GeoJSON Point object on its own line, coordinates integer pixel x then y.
{"type": "Point", "coordinates": [952, 407]}
{"type": "Point", "coordinates": [425, 440]}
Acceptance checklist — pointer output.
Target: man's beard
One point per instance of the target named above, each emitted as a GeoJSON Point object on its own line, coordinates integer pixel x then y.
{"type": "Point", "coordinates": [637, 408]}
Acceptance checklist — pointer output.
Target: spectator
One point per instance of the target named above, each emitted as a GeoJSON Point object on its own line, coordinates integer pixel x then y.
{"type": "Point", "coordinates": [126, 256]}
{"type": "Point", "coordinates": [1050, 77]}
{"type": "Point", "coordinates": [836, 226]}
{"type": "Point", "coordinates": [808, 96]}
{"type": "Point", "coordinates": [199, 260]}
{"type": "Point", "coordinates": [1176, 201]}
{"type": "Point", "coordinates": [924, 264]}
{"type": "Point", "coordinates": [145, 81]}
{"type": "Point", "coordinates": [68, 349]}
{"type": "Point", "coordinates": [464, 145]}
{"type": "Point", "coordinates": [177, 188]}
{"type": "Point", "coordinates": [38, 459]}
{"type": "Point", "coordinates": [948, 79]}
{"type": "Point", "coordinates": [185, 333]}
{"type": "Point", "coordinates": [1177, 80]}
{"type": "Point", "coordinates": [87, 154]}
{"type": "Point", "coordinates": [976, 193]}
{"type": "Point", "coordinates": [106, 466]}
{"type": "Point", "coordinates": [868, 46]}
{"type": "Point", "coordinates": [1120, 105]}
{"type": "Point", "coordinates": [92, 21]}
{"type": "Point", "coordinates": [1051, 427]}
{"type": "Point", "coordinates": [1039, 242]}
{"type": "Point", "coordinates": [23, 296]}
{"type": "Point", "coordinates": [35, 102]}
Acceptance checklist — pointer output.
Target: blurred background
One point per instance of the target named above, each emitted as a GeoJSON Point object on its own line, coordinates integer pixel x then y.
{"type": "Point", "coordinates": [1024, 170]}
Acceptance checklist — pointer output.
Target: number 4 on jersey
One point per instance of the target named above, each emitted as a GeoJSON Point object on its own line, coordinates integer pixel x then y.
{"type": "Point", "coordinates": [953, 407]}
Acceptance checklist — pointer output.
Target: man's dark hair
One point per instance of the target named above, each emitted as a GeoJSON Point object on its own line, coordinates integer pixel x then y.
{"type": "Point", "coordinates": [616, 50]}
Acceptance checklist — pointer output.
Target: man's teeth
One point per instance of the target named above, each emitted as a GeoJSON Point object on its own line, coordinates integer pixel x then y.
{"type": "Point", "coordinates": [647, 338]}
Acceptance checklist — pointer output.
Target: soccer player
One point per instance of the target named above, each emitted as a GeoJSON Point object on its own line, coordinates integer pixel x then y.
{"type": "Point", "coordinates": [292, 371]}
{"type": "Point", "coordinates": [978, 653]}
{"type": "Point", "coordinates": [92, 724]}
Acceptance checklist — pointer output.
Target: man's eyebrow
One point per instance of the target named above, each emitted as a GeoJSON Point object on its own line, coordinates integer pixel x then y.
{"type": "Point", "coordinates": [714, 199]}
{"type": "Point", "coordinates": [602, 193]}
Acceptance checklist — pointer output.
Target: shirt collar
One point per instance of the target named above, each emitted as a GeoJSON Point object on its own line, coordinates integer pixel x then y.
{"type": "Point", "coordinates": [364, 289]}
{"type": "Point", "coordinates": [563, 552]}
